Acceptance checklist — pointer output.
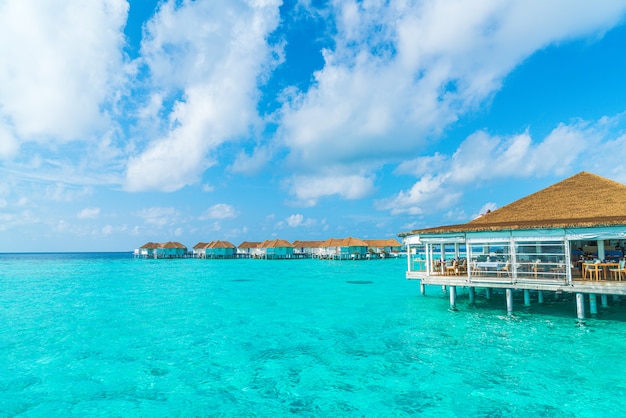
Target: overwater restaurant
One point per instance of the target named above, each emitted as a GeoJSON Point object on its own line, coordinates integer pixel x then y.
{"type": "Point", "coordinates": [569, 237]}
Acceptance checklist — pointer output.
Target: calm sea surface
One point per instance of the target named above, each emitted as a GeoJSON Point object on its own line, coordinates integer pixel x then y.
{"type": "Point", "coordinates": [108, 335]}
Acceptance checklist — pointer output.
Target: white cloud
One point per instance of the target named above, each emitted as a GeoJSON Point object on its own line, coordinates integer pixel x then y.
{"type": "Point", "coordinates": [309, 189]}
{"type": "Point", "coordinates": [400, 72]}
{"type": "Point", "coordinates": [61, 192]}
{"type": "Point", "coordinates": [483, 158]}
{"type": "Point", "coordinates": [295, 220]}
{"type": "Point", "coordinates": [9, 145]}
{"type": "Point", "coordinates": [251, 164]}
{"type": "Point", "coordinates": [212, 54]}
{"type": "Point", "coordinates": [220, 211]}
{"type": "Point", "coordinates": [61, 63]}
{"type": "Point", "coordinates": [88, 213]}
{"type": "Point", "coordinates": [158, 216]}
{"type": "Point", "coordinates": [298, 220]}
{"type": "Point", "coordinates": [487, 207]}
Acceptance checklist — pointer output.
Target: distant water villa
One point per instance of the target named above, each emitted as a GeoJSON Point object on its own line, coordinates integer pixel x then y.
{"type": "Point", "coordinates": [277, 249]}
{"type": "Point", "coordinates": [569, 237]}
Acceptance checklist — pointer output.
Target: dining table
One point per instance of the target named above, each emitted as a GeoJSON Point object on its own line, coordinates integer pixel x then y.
{"type": "Point", "coordinates": [603, 268]}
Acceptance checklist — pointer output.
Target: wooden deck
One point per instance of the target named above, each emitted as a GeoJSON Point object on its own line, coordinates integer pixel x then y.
{"type": "Point", "coordinates": [576, 285]}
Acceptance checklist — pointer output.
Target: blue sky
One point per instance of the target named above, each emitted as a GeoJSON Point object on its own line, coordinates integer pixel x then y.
{"type": "Point", "coordinates": [127, 122]}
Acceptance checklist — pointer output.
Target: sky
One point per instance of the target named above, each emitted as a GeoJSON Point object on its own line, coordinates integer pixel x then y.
{"type": "Point", "coordinates": [123, 122]}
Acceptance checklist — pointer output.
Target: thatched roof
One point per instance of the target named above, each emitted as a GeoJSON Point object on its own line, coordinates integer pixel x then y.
{"type": "Point", "coordinates": [169, 244]}
{"type": "Point", "coordinates": [249, 244]}
{"type": "Point", "coordinates": [344, 242]}
{"type": "Point", "coordinates": [382, 242]}
{"type": "Point", "coordinates": [172, 244]}
{"type": "Point", "coordinates": [275, 243]}
{"type": "Point", "coordinates": [307, 244]}
{"type": "Point", "coordinates": [220, 244]}
{"type": "Point", "coordinates": [583, 200]}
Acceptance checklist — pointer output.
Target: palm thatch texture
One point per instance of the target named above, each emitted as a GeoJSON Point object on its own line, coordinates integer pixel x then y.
{"type": "Point", "coordinates": [583, 200]}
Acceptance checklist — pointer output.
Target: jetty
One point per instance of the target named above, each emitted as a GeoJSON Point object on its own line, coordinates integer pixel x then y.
{"type": "Point", "coordinates": [566, 238]}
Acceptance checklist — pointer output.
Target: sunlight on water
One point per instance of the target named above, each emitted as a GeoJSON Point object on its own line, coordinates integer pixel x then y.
{"type": "Point", "coordinates": [107, 335]}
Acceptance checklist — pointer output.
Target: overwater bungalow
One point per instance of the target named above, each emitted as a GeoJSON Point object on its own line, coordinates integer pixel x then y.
{"type": "Point", "coordinates": [247, 249]}
{"type": "Point", "coordinates": [275, 249]}
{"type": "Point", "coordinates": [383, 248]}
{"type": "Point", "coordinates": [214, 249]}
{"type": "Point", "coordinates": [199, 250]}
{"type": "Point", "coordinates": [307, 249]}
{"type": "Point", "coordinates": [170, 249]}
{"type": "Point", "coordinates": [344, 249]}
{"type": "Point", "coordinates": [568, 237]}
{"type": "Point", "coordinates": [146, 250]}
{"type": "Point", "coordinates": [220, 249]}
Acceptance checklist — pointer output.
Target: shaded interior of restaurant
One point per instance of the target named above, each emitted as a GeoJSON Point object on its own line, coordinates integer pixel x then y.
{"type": "Point", "coordinates": [537, 259]}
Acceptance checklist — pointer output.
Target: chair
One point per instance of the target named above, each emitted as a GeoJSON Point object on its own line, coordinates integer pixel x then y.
{"type": "Point", "coordinates": [438, 266]}
{"type": "Point", "coordinates": [591, 270]}
{"type": "Point", "coordinates": [535, 268]}
{"type": "Point", "coordinates": [463, 267]}
{"type": "Point", "coordinates": [452, 269]}
{"type": "Point", "coordinates": [476, 271]}
{"type": "Point", "coordinates": [505, 269]}
{"type": "Point", "coordinates": [616, 274]}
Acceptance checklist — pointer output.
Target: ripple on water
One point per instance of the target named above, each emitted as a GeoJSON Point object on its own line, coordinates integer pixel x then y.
{"type": "Point", "coordinates": [123, 337]}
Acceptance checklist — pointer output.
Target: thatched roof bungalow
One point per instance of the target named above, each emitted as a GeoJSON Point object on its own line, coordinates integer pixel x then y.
{"type": "Point", "coordinates": [220, 249]}
{"type": "Point", "coordinates": [542, 241]}
{"type": "Point", "coordinates": [383, 247]}
{"type": "Point", "coordinates": [200, 249]}
{"type": "Point", "coordinates": [307, 249]}
{"type": "Point", "coordinates": [275, 249]}
{"type": "Point", "coordinates": [170, 249]}
{"type": "Point", "coordinates": [344, 248]}
{"type": "Point", "coordinates": [247, 249]}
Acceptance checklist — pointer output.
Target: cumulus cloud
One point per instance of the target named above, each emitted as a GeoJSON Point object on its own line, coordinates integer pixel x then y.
{"type": "Point", "coordinates": [298, 220]}
{"type": "Point", "coordinates": [309, 189]}
{"type": "Point", "coordinates": [252, 163]}
{"type": "Point", "coordinates": [62, 63]}
{"type": "Point", "coordinates": [295, 220]}
{"type": "Point", "coordinates": [400, 72]}
{"type": "Point", "coordinates": [482, 158]}
{"type": "Point", "coordinates": [220, 211]}
{"type": "Point", "coordinates": [158, 216]}
{"type": "Point", "coordinates": [88, 213]}
{"type": "Point", "coordinates": [9, 145]}
{"type": "Point", "coordinates": [213, 55]}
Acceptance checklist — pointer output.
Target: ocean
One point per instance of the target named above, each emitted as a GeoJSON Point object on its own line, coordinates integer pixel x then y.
{"type": "Point", "coordinates": [108, 335]}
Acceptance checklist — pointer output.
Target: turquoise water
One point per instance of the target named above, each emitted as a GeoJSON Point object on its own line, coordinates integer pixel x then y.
{"type": "Point", "coordinates": [108, 335]}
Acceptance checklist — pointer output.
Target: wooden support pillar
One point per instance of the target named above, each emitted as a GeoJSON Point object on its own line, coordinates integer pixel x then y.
{"type": "Point", "coordinates": [443, 288]}
{"type": "Point", "coordinates": [526, 297]}
{"type": "Point", "coordinates": [604, 301]}
{"type": "Point", "coordinates": [580, 305]}
{"type": "Point", "coordinates": [488, 293]}
{"type": "Point", "coordinates": [593, 305]}
{"type": "Point", "coordinates": [452, 297]}
{"type": "Point", "coordinates": [472, 294]}
{"type": "Point", "coordinates": [540, 296]}
{"type": "Point", "coordinates": [422, 288]}
{"type": "Point", "coordinates": [509, 301]}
